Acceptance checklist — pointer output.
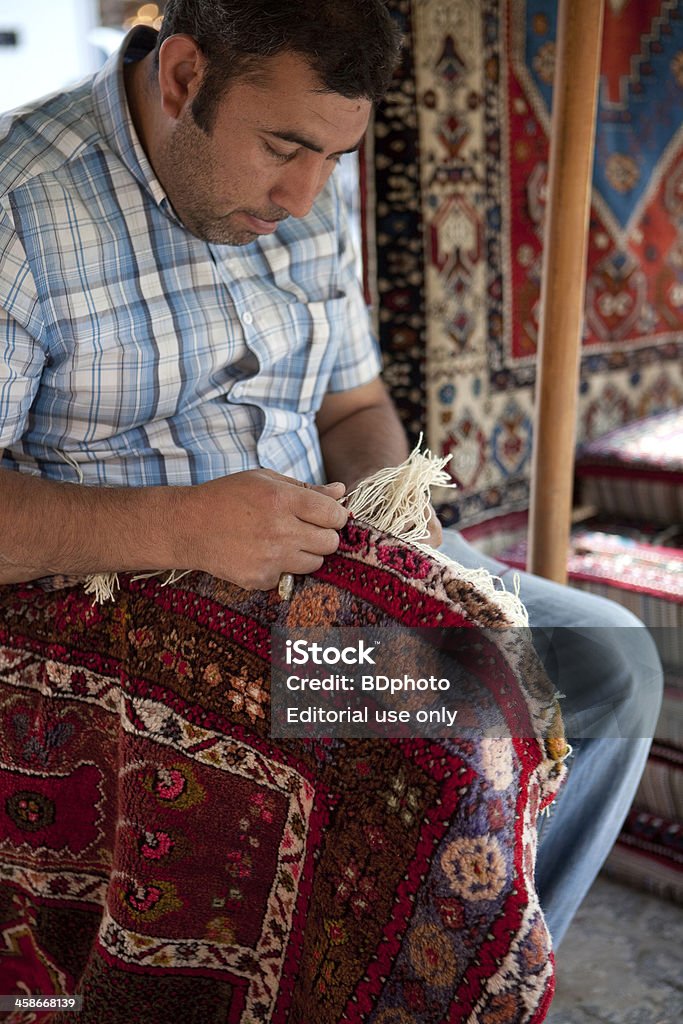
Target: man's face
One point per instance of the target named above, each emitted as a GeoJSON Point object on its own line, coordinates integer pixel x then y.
{"type": "Point", "coordinates": [270, 151]}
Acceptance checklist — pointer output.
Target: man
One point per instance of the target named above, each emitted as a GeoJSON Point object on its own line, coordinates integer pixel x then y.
{"type": "Point", "coordinates": [127, 337]}
{"type": "Point", "coordinates": [183, 331]}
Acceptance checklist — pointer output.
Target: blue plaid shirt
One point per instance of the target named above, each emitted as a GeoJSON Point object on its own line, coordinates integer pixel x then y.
{"type": "Point", "coordinates": [133, 348]}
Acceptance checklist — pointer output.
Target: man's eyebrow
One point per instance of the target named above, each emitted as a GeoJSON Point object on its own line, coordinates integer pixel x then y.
{"type": "Point", "coordinates": [302, 140]}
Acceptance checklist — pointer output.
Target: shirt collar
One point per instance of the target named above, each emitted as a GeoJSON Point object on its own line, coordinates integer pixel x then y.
{"type": "Point", "coordinates": [113, 115]}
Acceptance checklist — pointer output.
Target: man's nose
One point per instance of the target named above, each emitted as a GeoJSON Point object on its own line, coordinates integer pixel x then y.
{"type": "Point", "coordinates": [297, 188]}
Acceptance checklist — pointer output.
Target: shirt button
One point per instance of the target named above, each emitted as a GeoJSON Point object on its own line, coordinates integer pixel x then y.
{"type": "Point", "coordinates": [247, 318]}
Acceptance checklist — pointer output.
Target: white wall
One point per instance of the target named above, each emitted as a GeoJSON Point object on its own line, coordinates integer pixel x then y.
{"type": "Point", "coordinates": [52, 47]}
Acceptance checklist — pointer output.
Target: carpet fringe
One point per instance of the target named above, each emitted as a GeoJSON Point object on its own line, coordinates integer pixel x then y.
{"type": "Point", "coordinates": [395, 501]}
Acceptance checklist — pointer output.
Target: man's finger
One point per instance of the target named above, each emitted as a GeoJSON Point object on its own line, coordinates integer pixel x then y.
{"type": "Point", "coordinates": [316, 508]}
{"type": "Point", "coordinates": [435, 530]}
{"type": "Point", "coordinates": [335, 490]}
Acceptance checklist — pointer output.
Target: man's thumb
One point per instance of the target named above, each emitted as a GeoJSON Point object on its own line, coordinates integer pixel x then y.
{"type": "Point", "coordinates": [335, 490]}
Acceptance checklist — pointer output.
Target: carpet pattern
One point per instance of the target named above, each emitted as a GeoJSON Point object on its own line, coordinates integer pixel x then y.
{"type": "Point", "coordinates": [649, 850]}
{"type": "Point", "coordinates": [455, 213]}
{"type": "Point", "coordinates": [158, 847]}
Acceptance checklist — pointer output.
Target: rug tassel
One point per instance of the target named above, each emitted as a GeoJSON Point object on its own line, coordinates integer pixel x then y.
{"type": "Point", "coordinates": [102, 585]}
{"type": "Point", "coordinates": [105, 584]}
{"type": "Point", "coordinates": [397, 501]}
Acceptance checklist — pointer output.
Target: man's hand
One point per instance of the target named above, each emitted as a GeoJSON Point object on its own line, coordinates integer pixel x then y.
{"type": "Point", "coordinates": [360, 433]}
{"type": "Point", "coordinates": [252, 526]}
{"type": "Point", "coordinates": [435, 537]}
{"type": "Point", "coordinates": [248, 528]}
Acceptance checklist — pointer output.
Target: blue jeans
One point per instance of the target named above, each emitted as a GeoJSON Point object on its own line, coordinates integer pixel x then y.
{"type": "Point", "coordinates": [605, 663]}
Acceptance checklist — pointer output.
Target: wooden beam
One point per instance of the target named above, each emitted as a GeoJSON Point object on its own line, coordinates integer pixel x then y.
{"type": "Point", "coordinates": [572, 139]}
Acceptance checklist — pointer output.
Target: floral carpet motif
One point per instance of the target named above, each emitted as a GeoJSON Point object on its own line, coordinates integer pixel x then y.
{"type": "Point", "coordinates": [159, 850]}
{"type": "Point", "coordinates": [455, 216]}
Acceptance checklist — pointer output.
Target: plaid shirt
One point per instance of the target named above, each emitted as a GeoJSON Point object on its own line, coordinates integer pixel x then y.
{"type": "Point", "coordinates": [133, 348]}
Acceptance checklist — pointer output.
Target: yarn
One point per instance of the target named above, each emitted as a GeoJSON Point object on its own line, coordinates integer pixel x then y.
{"type": "Point", "coordinates": [397, 501]}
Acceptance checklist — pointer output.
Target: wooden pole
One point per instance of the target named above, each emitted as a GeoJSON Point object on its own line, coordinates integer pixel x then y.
{"type": "Point", "coordinates": [572, 139]}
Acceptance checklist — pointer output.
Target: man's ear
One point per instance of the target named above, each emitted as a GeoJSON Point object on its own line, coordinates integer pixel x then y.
{"type": "Point", "coordinates": [181, 70]}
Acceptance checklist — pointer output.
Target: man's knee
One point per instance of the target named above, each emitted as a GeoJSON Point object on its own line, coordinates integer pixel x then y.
{"type": "Point", "coordinates": [611, 675]}
{"type": "Point", "coordinates": [598, 653]}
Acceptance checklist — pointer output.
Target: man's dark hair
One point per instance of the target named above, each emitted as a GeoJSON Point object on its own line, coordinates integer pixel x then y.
{"type": "Point", "coordinates": [352, 45]}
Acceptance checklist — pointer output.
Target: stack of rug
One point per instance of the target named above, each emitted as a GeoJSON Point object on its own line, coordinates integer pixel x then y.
{"type": "Point", "coordinates": [646, 578]}
{"type": "Point", "coordinates": [163, 855]}
{"type": "Point", "coordinates": [649, 851]}
{"type": "Point", "coordinates": [636, 470]}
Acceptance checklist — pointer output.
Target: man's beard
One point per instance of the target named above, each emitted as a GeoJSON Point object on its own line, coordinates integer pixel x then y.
{"type": "Point", "coordinates": [189, 165]}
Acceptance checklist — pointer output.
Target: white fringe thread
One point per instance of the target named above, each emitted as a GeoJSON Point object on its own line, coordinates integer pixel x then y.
{"type": "Point", "coordinates": [103, 585]}
{"type": "Point", "coordinates": [397, 501]}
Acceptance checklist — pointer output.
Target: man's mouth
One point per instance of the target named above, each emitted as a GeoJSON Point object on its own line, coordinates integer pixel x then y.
{"type": "Point", "coordinates": [260, 224]}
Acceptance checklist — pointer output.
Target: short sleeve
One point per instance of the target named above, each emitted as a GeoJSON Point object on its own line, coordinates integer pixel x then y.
{"type": "Point", "coordinates": [21, 355]}
{"type": "Point", "coordinates": [358, 358]}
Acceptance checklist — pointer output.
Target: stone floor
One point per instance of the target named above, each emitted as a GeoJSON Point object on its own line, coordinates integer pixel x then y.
{"type": "Point", "coordinates": [621, 961]}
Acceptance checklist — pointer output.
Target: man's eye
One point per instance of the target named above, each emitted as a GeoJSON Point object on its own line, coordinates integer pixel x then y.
{"type": "Point", "coordinates": [280, 157]}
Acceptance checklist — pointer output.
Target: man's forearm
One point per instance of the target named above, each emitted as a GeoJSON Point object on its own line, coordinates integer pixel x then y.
{"type": "Point", "coordinates": [48, 527]}
{"type": "Point", "coordinates": [366, 440]}
{"type": "Point", "coordinates": [248, 527]}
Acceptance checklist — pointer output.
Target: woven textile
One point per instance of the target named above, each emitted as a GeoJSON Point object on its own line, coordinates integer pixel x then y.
{"type": "Point", "coordinates": [455, 219]}
{"type": "Point", "coordinates": [661, 788]}
{"type": "Point", "coordinates": [645, 578]}
{"type": "Point", "coordinates": [649, 854]}
{"type": "Point", "coordinates": [649, 851]}
{"type": "Point", "coordinates": [637, 469]}
{"type": "Point", "coordinates": [160, 851]}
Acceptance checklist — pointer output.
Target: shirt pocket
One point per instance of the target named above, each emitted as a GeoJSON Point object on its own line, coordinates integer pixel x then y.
{"type": "Point", "coordinates": [297, 355]}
